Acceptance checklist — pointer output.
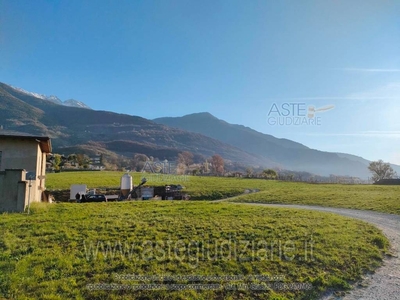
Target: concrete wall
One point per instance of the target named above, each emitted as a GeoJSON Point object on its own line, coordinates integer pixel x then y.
{"type": "Point", "coordinates": [19, 154]}
{"type": "Point", "coordinates": [27, 155]}
{"type": "Point", "coordinates": [14, 190]}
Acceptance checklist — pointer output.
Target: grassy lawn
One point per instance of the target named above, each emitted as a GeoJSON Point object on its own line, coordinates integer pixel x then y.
{"type": "Point", "coordinates": [199, 188]}
{"type": "Point", "coordinates": [365, 197]}
{"type": "Point", "coordinates": [66, 251]}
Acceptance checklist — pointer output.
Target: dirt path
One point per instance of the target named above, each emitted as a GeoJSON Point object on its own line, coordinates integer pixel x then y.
{"type": "Point", "coordinates": [385, 282]}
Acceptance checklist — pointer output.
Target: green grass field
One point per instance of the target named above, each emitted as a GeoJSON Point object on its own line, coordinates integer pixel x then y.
{"type": "Point", "coordinates": [95, 250]}
{"type": "Point", "coordinates": [367, 197]}
{"type": "Point", "coordinates": [206, 188]}
{"type": "Point", "coordinates": [75, 251]}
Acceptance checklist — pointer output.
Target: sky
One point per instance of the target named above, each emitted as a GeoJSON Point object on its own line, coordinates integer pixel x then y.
{"type": "Point", "coordinates": [261, 64]}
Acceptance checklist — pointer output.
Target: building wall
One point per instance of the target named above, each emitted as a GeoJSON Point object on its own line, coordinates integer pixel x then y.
{"type": "Point", "coordinates": [27, 155]}
{"type": "Point", "coordinates": [19, 154]}
{"type": "Point", "coordinates": [14, 190]}
{"type": "Point", "coordinates": [43, 170]}
{"type": "Point", "coordinates": [40, 173]}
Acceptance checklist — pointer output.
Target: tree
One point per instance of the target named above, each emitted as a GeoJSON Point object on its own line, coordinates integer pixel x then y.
{"type": "Point", "coordinates": [269, 174]}
{"type": "Point", "coordinates": [139, 162]}
{"type": "Point", "coordinates": [56, 161]}
{"type": "Point", "coordinates": [185, 158]}
{"type": "Point", "coordinates": [82, 159]}
{"type": "Point", "coordinates": [205, 167]}
{"type": "Point", "coordinates": [217, 163]}
{"type": "Point", "coordinates": [249, 172]}
{"type": "Point", "coordinates": [72, 159]}
{"type": "Point", "coordinates": [381, 170]}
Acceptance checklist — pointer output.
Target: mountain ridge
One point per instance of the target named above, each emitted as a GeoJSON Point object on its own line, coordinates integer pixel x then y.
{"type": "Point", "coordinates": [200, 133]}
{"type": "Point", "coordinates": [72, 126]}
{"type": "Point", "coordinates": [285, 153]}
{"type": "Point", "coordinates": [53, 99]}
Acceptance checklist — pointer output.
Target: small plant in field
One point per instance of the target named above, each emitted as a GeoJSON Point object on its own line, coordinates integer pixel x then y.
{"type": "Point", "coordinates": [380, 242]}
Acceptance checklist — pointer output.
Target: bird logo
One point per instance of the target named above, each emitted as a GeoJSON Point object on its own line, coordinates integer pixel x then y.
{"type": "Point", "coordinates": [312, 110]}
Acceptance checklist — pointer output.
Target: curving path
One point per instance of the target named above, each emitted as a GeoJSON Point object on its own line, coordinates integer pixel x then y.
{"type": "Point", "coordinates": [385, 282]}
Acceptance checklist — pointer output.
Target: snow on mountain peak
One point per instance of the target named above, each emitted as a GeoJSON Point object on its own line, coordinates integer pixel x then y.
{"type": "Point", "coordinates": [40, 96]}
{"type": "Point", "coordinates": [75, 103]}
{"type": "Point", "coordinates": [54, 99]}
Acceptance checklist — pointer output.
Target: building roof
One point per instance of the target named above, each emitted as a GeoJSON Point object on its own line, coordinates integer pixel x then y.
{"type": "Point", "coordinates": [44, 141]}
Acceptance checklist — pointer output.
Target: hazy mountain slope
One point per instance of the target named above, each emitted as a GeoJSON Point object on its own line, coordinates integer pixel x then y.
{"type": "Point", "coordinates": [365, 161]}
{"type": "Point", "coordinates": [70, 126]}
{"type": "Point", "coordinates": [238, 135]}
{"type": "Point", "coordinates": [285, 153]}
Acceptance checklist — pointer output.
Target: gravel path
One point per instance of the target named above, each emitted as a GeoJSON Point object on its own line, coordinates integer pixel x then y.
{"type": "Point", "coordinates": [385, 282]}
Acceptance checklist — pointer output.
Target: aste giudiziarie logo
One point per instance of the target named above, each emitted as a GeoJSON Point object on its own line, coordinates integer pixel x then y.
{"type": "Point", "coordinates": [296, 114]}
{"type": "Point", "coordinates": [164, 171]}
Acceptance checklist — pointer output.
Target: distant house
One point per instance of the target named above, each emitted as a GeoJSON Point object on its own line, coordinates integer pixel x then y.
{"type": "Point", "coordinates": [22, 170]}
{"type": "Point", "coordinates": [95, 160]}
{"type": "Point", "coordinates": [96, 163]}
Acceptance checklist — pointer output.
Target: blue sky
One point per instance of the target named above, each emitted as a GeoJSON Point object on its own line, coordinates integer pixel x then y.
{"type": "Point", "coordinates": [234, 59]}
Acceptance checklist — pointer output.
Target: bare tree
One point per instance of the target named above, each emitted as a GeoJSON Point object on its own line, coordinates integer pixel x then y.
{"type": "Point", "coordinates": [185, 158]}
{"type": "Point", "coordinates": [139, 162]}
{"type": "Point", "coordinates": [217, 164]}
{"type": "Point", "coordinates": [381, 170]}
{"type": "Point", "coordinates": [205, 167]}
{"type": "Point", "coordinates": [249, 172]}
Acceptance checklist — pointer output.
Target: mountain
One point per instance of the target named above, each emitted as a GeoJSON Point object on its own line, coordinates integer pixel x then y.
{"type": "Point", "coordinates": [74, 127]}
{"type": "Point", "coordinates": [75, 103]}
{"type": "Point", "coordinates": [281, 153]}
{"type": "Point", "coordinates": [123, 134]}
{"type": "Point", "coordinates": [52, 98]}
{"type": "Point", "coordinates": [366, 162]}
